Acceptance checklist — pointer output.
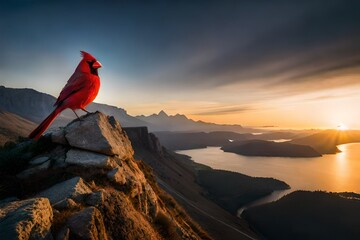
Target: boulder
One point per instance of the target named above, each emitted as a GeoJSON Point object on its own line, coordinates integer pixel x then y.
{"type": "Point", "coordinates": [74, 188]}
{"type": "Point", "coordinates": [87, 224]}
{"type": "Point", "coordinates": [89, 159]}
{"type": "Point", "coordinates": [27, 219]}
{"type": "Point", "coordinates": [99, 133]}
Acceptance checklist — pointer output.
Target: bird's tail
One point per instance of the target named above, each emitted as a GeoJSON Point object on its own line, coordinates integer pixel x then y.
{"type": "Point", "coordinates": [45, 124]}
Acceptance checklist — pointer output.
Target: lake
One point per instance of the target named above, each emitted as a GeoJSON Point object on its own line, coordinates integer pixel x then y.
{"type": "Point", "coordinates": [333, 172]}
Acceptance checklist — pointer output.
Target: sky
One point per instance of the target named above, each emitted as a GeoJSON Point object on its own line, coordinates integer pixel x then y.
{"type": "Point", "coordinates": [289, 64]}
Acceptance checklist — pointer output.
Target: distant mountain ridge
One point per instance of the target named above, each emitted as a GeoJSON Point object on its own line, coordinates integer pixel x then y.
{"type": "Point", "coordinates": [180, 122]}
{"type": "Point", "coordinates": [270, 149]}
{"type": "Point", "coordinates": [35, 106]}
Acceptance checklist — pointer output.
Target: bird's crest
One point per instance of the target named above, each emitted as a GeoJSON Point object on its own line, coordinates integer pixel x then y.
{"type": "Point", "coordinates": [87, 56]}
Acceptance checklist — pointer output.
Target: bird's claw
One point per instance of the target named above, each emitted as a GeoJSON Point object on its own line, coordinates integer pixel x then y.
{"type": "Point", "coordinates": [85, 110]}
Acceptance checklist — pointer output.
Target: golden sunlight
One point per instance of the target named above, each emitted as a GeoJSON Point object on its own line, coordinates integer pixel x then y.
{"type": "Point", "coordinates": [342, 127]}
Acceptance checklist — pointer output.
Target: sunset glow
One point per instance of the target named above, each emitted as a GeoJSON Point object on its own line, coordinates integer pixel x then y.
{"type": "Point", "coordinates": [342, 127]}
{"type": "Point", "coordinates": [232, 69]}
{"type": "Point", "coordinates": [193, 120]}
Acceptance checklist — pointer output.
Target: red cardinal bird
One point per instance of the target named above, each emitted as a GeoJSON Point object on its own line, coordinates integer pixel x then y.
{"type": "Point", "coordinates": [80, 90]}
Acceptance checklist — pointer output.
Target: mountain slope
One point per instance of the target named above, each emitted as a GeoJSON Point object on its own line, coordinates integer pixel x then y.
{"type": "Point", "coordinates": [326, 141]}
{"type": "Point", "coordinates": [27, 103]}
{"type": "Point", "coordinates": [178, 175]}
{"type": "Point", "coordinates": [12, 126]}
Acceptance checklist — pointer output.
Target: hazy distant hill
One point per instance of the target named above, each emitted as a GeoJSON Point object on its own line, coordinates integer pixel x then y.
{"type": "Point", "coordinates": [27, 103]}
{"type": "Point", "coordinates": [270, 149]}
{"type": "Point", "coordinates": [325, 142]}
{"type": "Point", "coordinates": [12, 126]}
{"type": "Point", "coordinates": [178, 122]}
{"type": "Point", "coordinates": [191, 140]}
{"type": "Point", "coordinates": [35, 106]}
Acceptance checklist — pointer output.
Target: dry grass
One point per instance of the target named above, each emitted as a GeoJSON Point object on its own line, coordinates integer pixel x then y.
{"type": "Point", "coordinates": [166, 226]}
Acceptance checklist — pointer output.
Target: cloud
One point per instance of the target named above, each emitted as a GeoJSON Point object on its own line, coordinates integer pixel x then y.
{"type": "Point", "coordinates": [225, 110]}
{"type": "Point", "coordinates": [328, 97]}
{"type": "Point", "coordinates": [283, 47]}
{"type": "Point", "coordinates": [321, 40]}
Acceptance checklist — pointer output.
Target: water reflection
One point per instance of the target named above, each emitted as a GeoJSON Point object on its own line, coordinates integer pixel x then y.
{"type": "Point", "coordinates": [341, 167]}
{"type": "Point", "coordinates": [334, 172]}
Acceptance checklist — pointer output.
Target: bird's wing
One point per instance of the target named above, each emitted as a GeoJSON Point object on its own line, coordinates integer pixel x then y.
{"type": "Point", "coordinates": [74, 84]}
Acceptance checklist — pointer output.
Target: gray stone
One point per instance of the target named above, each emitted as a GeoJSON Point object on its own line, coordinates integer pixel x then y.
{"type": "Point", "coordinates": [99, 133]}
{"type": "Point", "coordinates": [65, 204]}
{"type": "Point", "coordinates": [39, 160]}
{"type": "Point", "coordinates": [28, 219]}
{"type": "Point", "coordinates": [31, 171]}
{"type": "Point", "coordinates": [74, 188]}
{"type": "Point", "coordinates": [58, 136]}
{"type": "Point", "coordinates": [87, 224]}
{"type": "Point", "coordinates": [88, 159]}
{"type": "Point", "coordinates": [95, 199]}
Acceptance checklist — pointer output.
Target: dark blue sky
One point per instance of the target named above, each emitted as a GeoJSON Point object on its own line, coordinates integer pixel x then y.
{"type": "Point", "coordinates": [217, 56]}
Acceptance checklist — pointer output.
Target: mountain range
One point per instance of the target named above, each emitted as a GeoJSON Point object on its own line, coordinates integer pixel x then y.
{"type": "Point", "coordinates": [36, 106]}
{"type": "Point", "coordinates": [179, 122]}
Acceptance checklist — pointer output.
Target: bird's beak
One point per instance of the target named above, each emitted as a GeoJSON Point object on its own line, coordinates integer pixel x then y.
{"type": "Point", "coordinates": [96, 65]}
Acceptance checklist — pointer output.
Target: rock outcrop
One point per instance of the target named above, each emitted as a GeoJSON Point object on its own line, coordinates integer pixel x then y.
{"type": "Point", "coordinates": [74, 188]}
{"type": "Point", "coordinates": [27, 219]}
{"type": "Point", "coordinates": [88, 185]}
{"type": "Point", "coordinates": [141, 138]}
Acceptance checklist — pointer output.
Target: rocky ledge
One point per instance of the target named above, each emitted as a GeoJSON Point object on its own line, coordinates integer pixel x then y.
{"type": "Point", "coordinates": [87, 185]}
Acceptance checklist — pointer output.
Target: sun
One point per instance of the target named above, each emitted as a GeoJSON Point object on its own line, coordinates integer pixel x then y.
{"type": "Point", "coordinates": [342, 127]}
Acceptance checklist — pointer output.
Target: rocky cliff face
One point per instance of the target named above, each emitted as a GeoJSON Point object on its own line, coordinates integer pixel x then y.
{"type": "Point", "coordinates": [87, 185]}
{"type": "Point", "coordinates": [141, 138]}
